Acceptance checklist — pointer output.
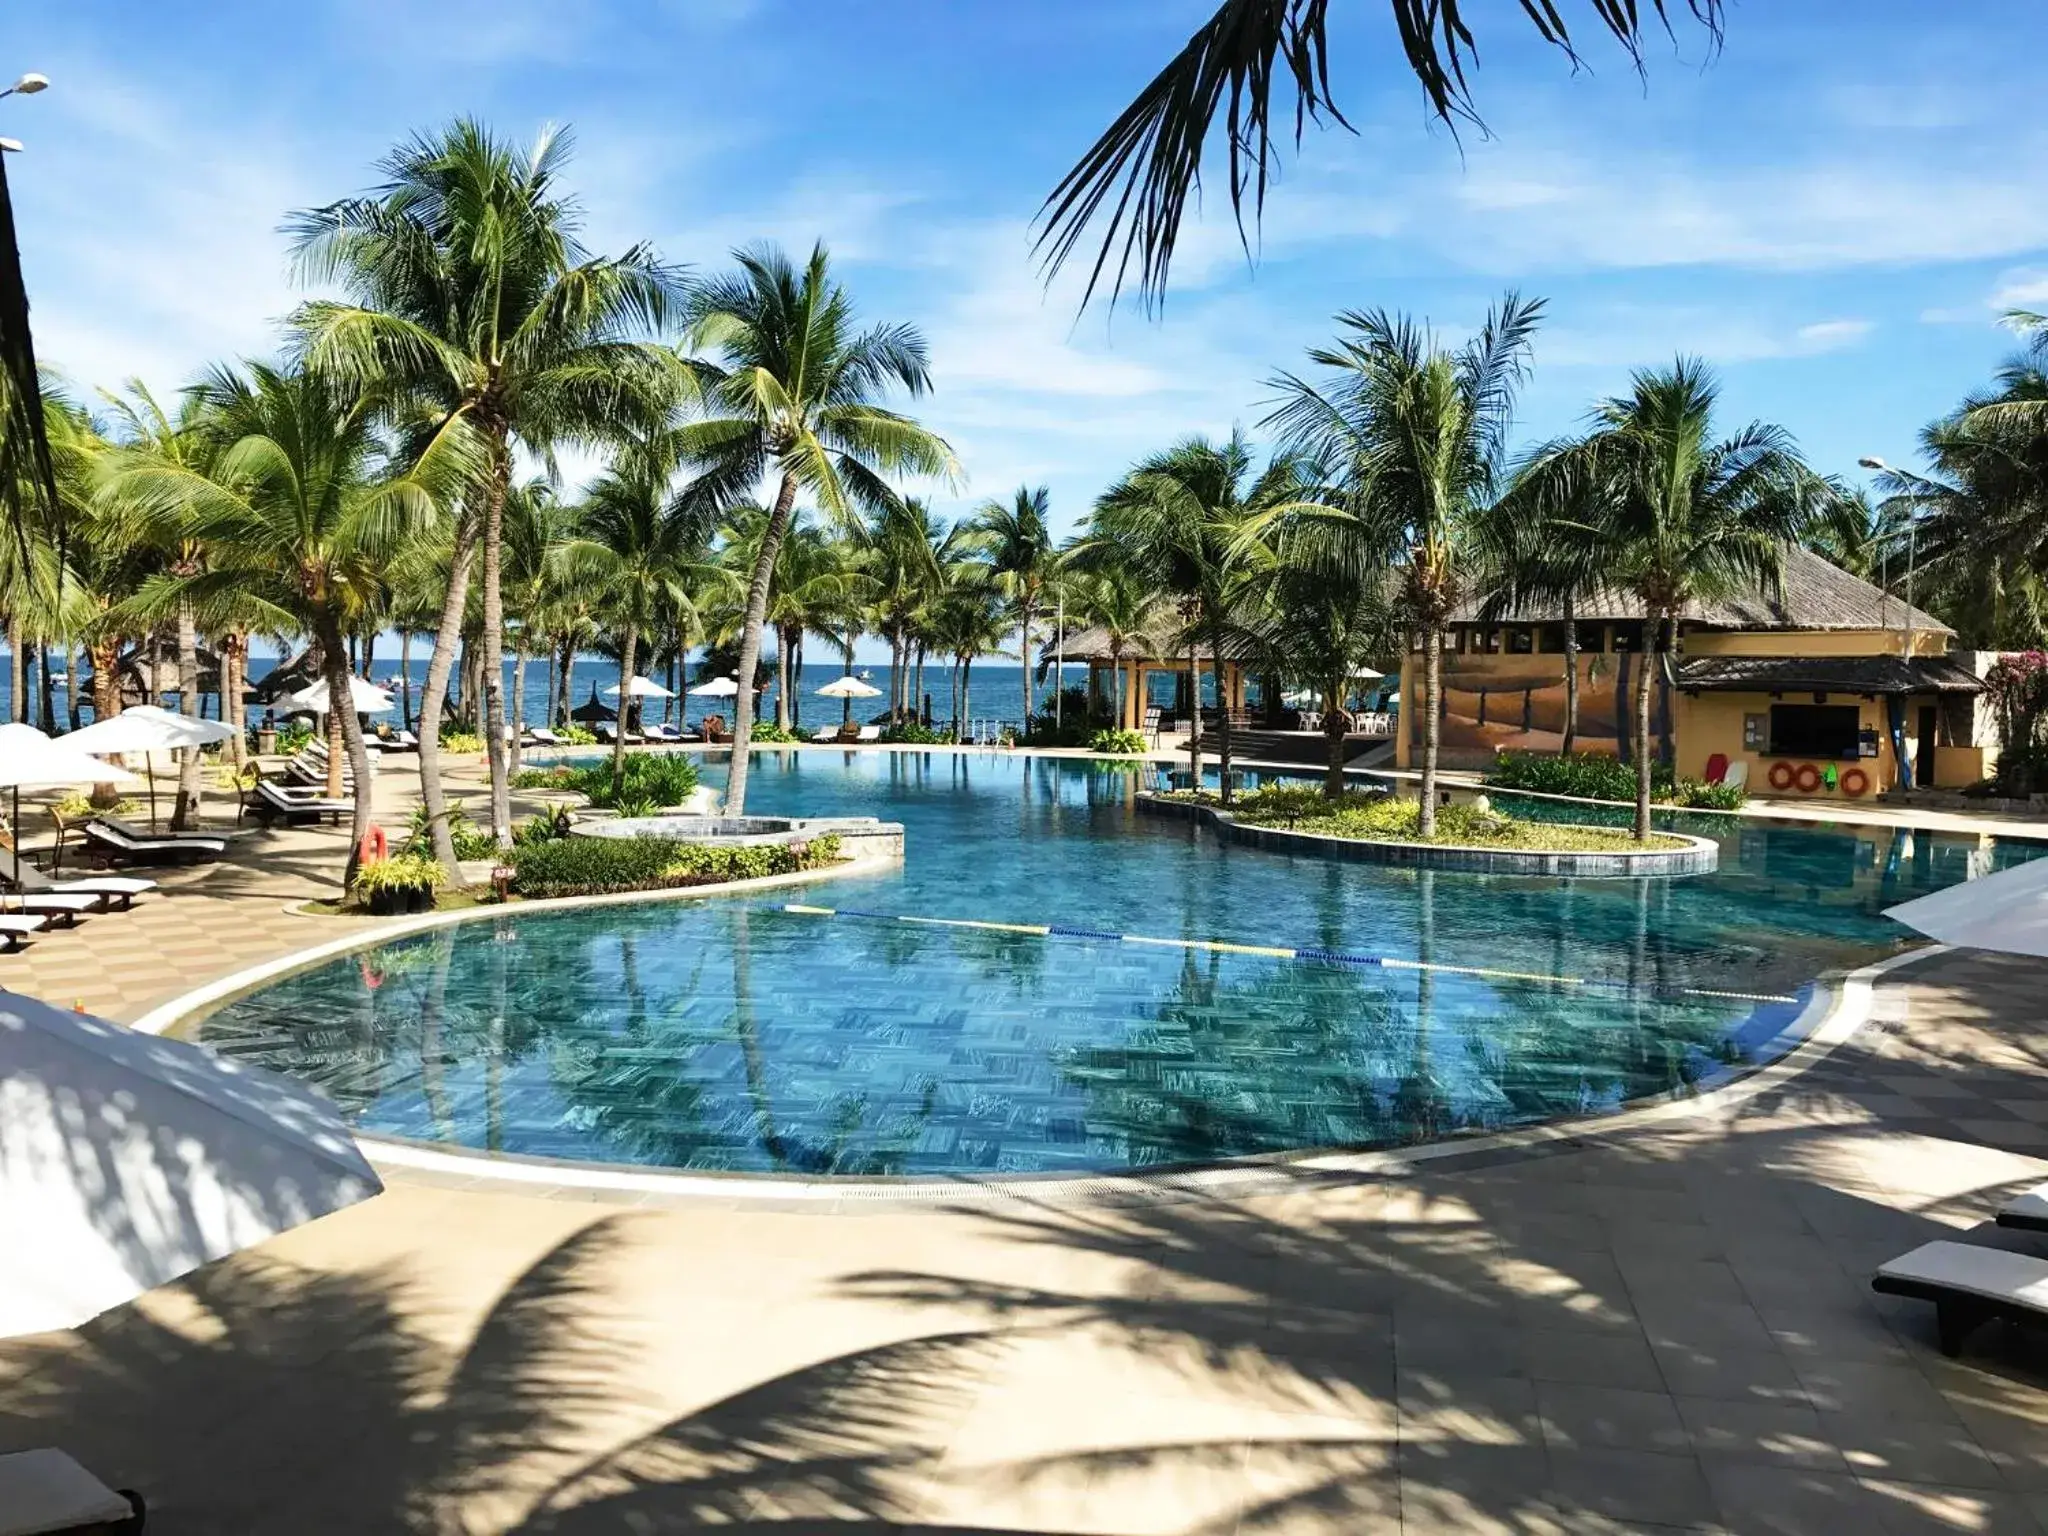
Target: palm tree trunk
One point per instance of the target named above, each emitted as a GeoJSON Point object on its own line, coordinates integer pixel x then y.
{"type": "Point", "coordinates": [335, 662]}
{"type": "Point", "coordinates": [1194, 713]}
{"type": "Point", "coordinates": [1571, 675]}
{"type": "Point", "coordinates": [105, 651]}
{"type": "Point", "coordinates": [1222, 706]}
{"type": "Point", "coordinates": [17, 675]}
{"type": "Point", "coordinates": [434, 694]}
{"type": "Point", "coordinates": [186, 807]}
{"type": "Point", "coordinates": [1654, 633]}
{"type": "Point", "coordinates": [782, 677]}
{"type": "Point", "coordinates": [405, 678]}
{"type": "Point", "coordinates": [626, 651]}
{"type": "Point", "coordinates": [796, 696]}
{"type": "Point", "coordinates": [1336, 725]}
{"type": "Point", "coordinates": [494, 648]}
{"type": "Point", "coordinates": [750, 643]}
{"type": "Point", "coordinates": [1024, 651]}
{"type": "Point", "coordinates": [562, 680]}
{"type": "Point", "coordinates": [966, 668]}
{"type": "Point", "coordinates": [234, 649]}
{"type": "Point", "coordinates": [549, 694]}
{"type": "Point", "coordinates": [71, 671]}
{"type": "Point", "coordinates": [1432, 721]}
{"type": "Point", "coordinates": [917, 688]}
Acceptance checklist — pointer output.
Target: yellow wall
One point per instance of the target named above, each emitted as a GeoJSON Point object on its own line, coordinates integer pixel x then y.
{"type": "Point", "coordinates": [1712, 722]}
{"type": "Point", "coordinates": [1815, 642]}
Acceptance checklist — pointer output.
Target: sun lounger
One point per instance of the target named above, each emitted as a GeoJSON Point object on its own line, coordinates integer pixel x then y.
{"type": "Point", "coordinates": [2027, 1212]}
{"type": "Point", "coordinates": [63, 911]}
{"type": "Point", "coordinates": [13, 929]}
{"type": "Point", "coordinates": [105, 891]}
{"type": "Point", "coordinates": [143, 835]}
{"type": "Point", "coordinates": [295, 802]}
{"type": "Point", "coordinates": [1968, 1285]}
{"type": "Point", "coordinates": [45, 1490]}
{"type": "Point", "coordinates": [869, 733]}
{"type": "Point", "coordinates": [542, 736]}
{"type": "Point", "coordinates": [111, 842]}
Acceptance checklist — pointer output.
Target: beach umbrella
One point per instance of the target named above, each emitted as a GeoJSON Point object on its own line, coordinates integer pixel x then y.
{"type": "Point", "coordinates": [1365, 674]}
{"type": "Point", "coordinates": [593, 711]}
{"type": "Point", "coordinates": [714, 688]}
{"type": "Point", "coordinates": [147, 729]}
{"type": "Point", "coordinates": [847, 689]}
{"type": "Point", "coordinates": [364, 697]}
{"type": "Point", "coordinates": [2007, 911]}
{"type": "Point", "coordinates": [127, 1160]}
{"type": "Point", "coordinates": [640, 688]}
{"type": "Point", "coordinates": [31, 760]}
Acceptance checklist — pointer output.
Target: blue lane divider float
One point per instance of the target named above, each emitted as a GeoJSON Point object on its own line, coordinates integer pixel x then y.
{"type": "Point", "coordinates": [1312, 954]}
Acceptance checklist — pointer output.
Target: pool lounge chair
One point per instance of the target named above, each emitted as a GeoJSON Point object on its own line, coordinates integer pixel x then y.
{"type": "Point", "coordinates": [2027, 1212]}
{"type": "Point", "coordinates": [44, 1490]}
{"type": "Point", "coordinates": [108, 891]}
{"type": "Point", "coordinates": [541, 736]}
{"type": "Point", "coordinates": [15, 928]}
{"type": "Point", "coordinates": [1969, 1286]}
{"type": "Point", "coordinates": [62, 910]}
{"type": "Point", "coordinates": [869, 733]}
{"type": "Point", "coordinates": [300, 802]}
{"type": "Point", "coordinates": [110, 842]}
{"type": "Point", "coordinates": [142, 834]}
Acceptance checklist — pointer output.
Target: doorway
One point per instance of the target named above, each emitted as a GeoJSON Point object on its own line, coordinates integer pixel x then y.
{"type": "Point", "coordinates": [1923, 757]}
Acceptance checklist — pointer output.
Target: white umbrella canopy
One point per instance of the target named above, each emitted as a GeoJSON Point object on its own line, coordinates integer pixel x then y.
{"type": "Point", "coordinates": [640, 688]}
{"type": "Point", "coordinates": [127, 1160]}
{"type": "Point", "coordinates": [146, 728]}
{"type": "Point", "coordinates": [365, 698]}
{"type": "Point", "coordinates": [849, 688]}
{"type": "Point", "coordinates": [715, 688]}
{"type": "Point", "coordinates": [31, 760]}
{"type": "Point", "coordinates": [2007, 911]}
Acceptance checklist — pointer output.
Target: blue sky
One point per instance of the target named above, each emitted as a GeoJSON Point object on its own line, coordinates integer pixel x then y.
{"type": "Point", "coordinates": [1831, 215]}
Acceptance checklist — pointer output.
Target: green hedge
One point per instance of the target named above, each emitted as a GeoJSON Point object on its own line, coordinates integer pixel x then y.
{"type": "Point", "coordinates": [592, 866]}
{"type": "Point", "coordinates": [1117, 743]}
{"type": "Point", "coordinates": [1595, 776]}
{"type": "Point", "coordinates": [649, 780]}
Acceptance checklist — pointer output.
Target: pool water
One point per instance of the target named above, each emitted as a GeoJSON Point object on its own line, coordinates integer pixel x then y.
{"type": "Point", "coordinates": [735, 1034]}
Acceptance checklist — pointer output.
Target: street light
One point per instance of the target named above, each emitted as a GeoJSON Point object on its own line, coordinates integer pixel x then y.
{"type": "Point", "coordinates": [1872, 462]}
{"type": "Point", "coordinates": [28, 85]}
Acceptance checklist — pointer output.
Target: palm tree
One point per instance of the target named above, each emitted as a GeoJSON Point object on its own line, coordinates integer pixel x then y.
{"type": "Point", "coordinates": [300, 508]}
{"type": "Point", "coordinates": [536, 523]}
{"type": "Point", "coordinates": [644, 542]}
{"type": "Point", "coordinates": [1679, 517]}
{"type": "Point", "coordinates": [1114, 599]}
{"type": "Point", "coordinates": [1185, 521]}
{"type": "Point", "coordinates": [905, 570]}
{"type": "Point", "coordinates": [968, 618]}
{"type": "Point", "coordinates": [794, 394]}
{"type": "Point", "coordinates": [1142, 169]}
{"type": "Point", "coordinates": [1023, 558]}
{"type": "Point", "coordinates": [474, 300]}
{"type": "Point", "coordinates": [1415, 436]}
{"type": "Point", "coordinates": [1317, 625]}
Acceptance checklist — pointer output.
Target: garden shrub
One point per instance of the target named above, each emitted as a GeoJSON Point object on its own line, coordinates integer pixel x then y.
{"type": "Point", "coordinates": [915, 733]}
{"type": "Point", "coordinates": [591, 866]}
{"type": "Point", "coordinates": [576, 735]}
{"type": "Point", "coordinates": [1117, 743]}
{"type": "Point", "coordinates": [1594, 776]}
{"type": "Point", "coordinates": [767, 732]}
{"type": "Point", "coordinates": [471, 841]}
{"type": "Point", "coordinates": [1696, 794]}
{"type": "Point", "coordinates": [461, 741]}
{"type": "Point", "coordinates": [293, 737]}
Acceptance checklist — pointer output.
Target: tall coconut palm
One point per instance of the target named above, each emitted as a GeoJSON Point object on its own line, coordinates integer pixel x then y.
{"type": "Point", "coordinates": [1140, 172]}
{"type": "Point", "coordinates": [795, 394]}
{"type": "Point", "coordinates": [473, 298]}
{"type": "Point", "coordinates": [300, 509]}
{"type": "Point", "coordinates": [905, 571]}
{"type": "Point", "coordinates": [1110, 596]}
{"type": "Point", "coordinates": [1415, 437]}
{"type": "Point", "coordinates": [1680, 517]}
{"type": "Point", "coordinates": [1023, 557]}
{"type": "Point", "coordinates": [1186, 521]}
{"type": "Point", "coordinates": [818, 586]}
{"type": "Point", "coordinates": [1317, 625]}
{"type": "Point", "coordinates": [643, 541]}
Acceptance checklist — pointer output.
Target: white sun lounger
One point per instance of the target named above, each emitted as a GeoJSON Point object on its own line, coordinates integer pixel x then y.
{"type": "Point", "coordinates": [144, 835]}
{"type": "Point", "coordinates": [1968, 1285]}
{"type": "Point", "coordinates": [293, 800]}
{"type": "Point", "coordinates": [45, 1490]}
{"type": "Point", "coordinates": [2027, 1212]}
{"type": "Point", "coordinates": [61, 910]}
{"type": "Point", "coordinates": [108, 890]}
{"type": "Point", "coordinates": [16, 928]}
{"type": "Point", "coordinates": [870, 733]}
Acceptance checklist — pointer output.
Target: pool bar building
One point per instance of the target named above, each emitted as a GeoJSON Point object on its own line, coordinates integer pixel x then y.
{"type": "Point", "coordinates": [1830, 687]}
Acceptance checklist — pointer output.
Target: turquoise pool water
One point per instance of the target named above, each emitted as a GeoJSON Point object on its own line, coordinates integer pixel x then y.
{"type": "Point", "coordinates": [732, 1034]}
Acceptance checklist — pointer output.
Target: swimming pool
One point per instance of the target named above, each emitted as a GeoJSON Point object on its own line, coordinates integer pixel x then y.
{"type": "Point", "coordinates": [735, 1034]}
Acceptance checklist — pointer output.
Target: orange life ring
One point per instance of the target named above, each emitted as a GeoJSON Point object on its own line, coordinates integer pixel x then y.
{"type": "Point", "coordinates": [372, 847]}
{"type": "Point", "coordinates": [1855, 781]}
{"type": "Point", "coordinates": [1807, 780]}
{"type": "Point", "coordinates": [1781, 775]}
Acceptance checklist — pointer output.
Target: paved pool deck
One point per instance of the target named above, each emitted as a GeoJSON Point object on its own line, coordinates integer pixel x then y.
{"type": "Point", "coordinates": [1667, 1329]}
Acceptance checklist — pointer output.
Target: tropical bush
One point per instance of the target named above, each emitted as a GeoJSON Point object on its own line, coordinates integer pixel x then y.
{"type": "Point", "coordinates": [1594, 776]}
{"type": "Point", "coordinates": [573, 735]}
{"type": "Point", "coordinates": [1378, 816]}
{"type": "Point", "coordinates": [292, 736]}
{"type": "Point", "coordinates": [1697, 794]}
{"type": "Point", "coordinates": [1117, 743]}
{"type": "Point", "coordinates": [2017, 688]}
{"type": "Point", "coordinates": [553, 776]}
{"type": "Point", "coordinates": [461, 741]}
{"type": "Point", "coordinates": [916, 734]}
{"type": "Point", "coordinates": [648, 782]}
{"type": "Point", "coordinates": [471, 841]}
{"type": "Point", "coordinates": [767, 731]}
{"type": "Point", "coordinates": [544, 826]}
{"type": "Point", "coordinates": [592, 866]}
{"type": "Point", "coordinates": [405, 882]}
{"type": "Point", "coordinates": [78, 806]}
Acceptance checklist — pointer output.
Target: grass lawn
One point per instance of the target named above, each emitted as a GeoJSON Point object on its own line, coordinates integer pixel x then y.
{"type": "Point", "coordinates": [1373, 817]}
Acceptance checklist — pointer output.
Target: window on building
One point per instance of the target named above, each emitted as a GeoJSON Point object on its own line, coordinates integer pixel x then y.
{"type": "Point", "coordinates": [1816, 730]}
{"type": "Point", "coordinates": [1550, 639]}
{"type": "Point", "coordinates": [1628, 637]}
{"type": "Point", "coordinates": [1521, 640]}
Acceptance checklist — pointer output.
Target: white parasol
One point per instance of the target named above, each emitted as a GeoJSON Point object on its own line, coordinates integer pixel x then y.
{"type": "Point", "coordinates": [31, 760]}
{"type": "Point", "coordinates": [640, 688]}
{"type": "Point", "coordinates": [849, 688]}
{"type": "Point", "coordinates": [2007, 911]}
{"type": "Point", "coordinates": [127, 1160]}
{"type": "Point", "coordinates": [365, 698]}
{"type": "Point", "coordinates": [714, 688]}
{"type": "Point", "coordinates": [147, 729]}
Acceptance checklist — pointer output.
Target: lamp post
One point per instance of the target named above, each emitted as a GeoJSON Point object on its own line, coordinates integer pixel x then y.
{"type": "Point", "coordinates": [1872, 462]}
{"type": "Point", "coordinates": [24, 409]}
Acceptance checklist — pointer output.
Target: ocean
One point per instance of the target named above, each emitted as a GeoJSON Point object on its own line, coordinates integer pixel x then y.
{"type": "Point", "coordinates": [995, 691]}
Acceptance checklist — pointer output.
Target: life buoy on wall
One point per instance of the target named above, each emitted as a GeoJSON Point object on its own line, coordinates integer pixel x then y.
{"type": "Point", "coordinates": [1807, 780]}
{"type": "Point", "coordinates": [1855, 782]}
{"type": "Point", "coordinates": [1781, 775]}
{"type": "Point", "coordinates": [372, 847]}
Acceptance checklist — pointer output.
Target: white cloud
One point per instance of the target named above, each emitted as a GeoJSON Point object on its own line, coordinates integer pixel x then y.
{"type": "Point", "coordinates": [1624, 336]}
{"type": "Point", "coordinates": [2021, 288]}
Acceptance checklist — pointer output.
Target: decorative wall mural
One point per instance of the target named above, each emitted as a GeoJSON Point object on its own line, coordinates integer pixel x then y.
{"type": "Point", "coordinates": [1495, 703]}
